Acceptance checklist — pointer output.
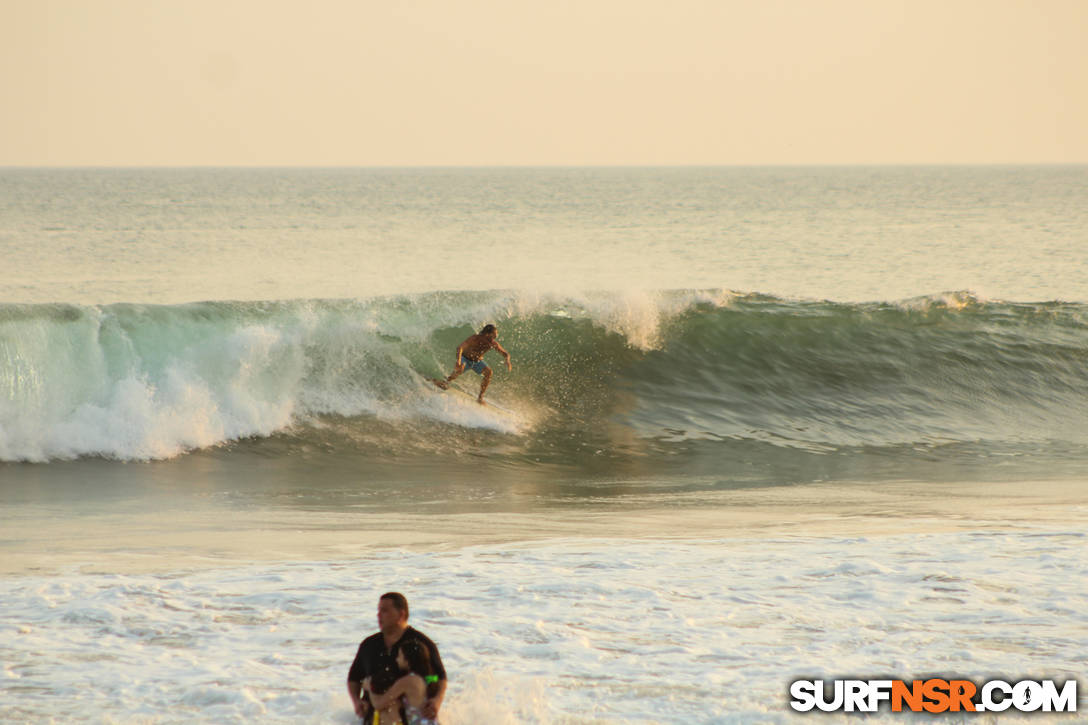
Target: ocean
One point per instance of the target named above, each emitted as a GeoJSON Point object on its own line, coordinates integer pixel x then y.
{"type": "Point", "coordinates": [763, 424]}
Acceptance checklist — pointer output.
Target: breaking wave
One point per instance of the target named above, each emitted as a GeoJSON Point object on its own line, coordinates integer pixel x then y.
{"type": "Point", "coordinates": [707, 374]}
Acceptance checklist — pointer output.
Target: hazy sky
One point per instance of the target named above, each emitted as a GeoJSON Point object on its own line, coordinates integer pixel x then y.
{"type": "Point", "coordinates": [489, 82]}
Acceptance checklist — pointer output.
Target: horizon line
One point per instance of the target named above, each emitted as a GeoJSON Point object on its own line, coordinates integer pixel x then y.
{"type": "Point", "coordinates": [900, 164]}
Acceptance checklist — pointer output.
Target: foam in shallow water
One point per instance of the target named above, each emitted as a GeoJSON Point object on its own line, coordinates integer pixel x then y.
{"type": "Point", "coordinates": [571, 630]}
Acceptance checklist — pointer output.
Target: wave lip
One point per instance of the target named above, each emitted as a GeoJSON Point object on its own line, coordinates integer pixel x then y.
{"type": "Point", "coordinates": [141, 382]}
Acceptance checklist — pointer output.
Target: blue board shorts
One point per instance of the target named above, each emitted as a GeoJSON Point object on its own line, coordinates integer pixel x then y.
{"type": "Point", "coordinates": [476, 366]}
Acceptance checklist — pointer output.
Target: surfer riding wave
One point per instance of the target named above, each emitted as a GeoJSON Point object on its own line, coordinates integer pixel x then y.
{"type": "Point", "coordinates": [470, 354]}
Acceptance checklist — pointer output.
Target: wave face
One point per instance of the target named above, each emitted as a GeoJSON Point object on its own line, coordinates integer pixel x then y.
{"type": "Point", "coordinates": [696, 380]}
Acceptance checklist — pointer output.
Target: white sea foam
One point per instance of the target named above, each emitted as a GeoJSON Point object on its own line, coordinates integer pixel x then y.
{"type": "Point", "coordinates": [574, 630]}
{"type": "Point", "coordinates": [238, 382]}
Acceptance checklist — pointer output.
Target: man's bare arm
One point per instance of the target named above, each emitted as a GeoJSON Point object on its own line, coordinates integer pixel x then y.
{"type": "Point", "coordinates": [431, 707]}
{"type": "Point", "coordinates": [355, 690]}
{"type": "Point", "coordinates": [495, 344]}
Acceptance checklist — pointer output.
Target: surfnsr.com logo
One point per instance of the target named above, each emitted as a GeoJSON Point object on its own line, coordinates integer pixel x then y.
{"type": "Point", "coordinates": [933, 695]}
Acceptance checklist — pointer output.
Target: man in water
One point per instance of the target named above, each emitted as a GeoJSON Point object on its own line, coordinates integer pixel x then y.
{"type": "Point", "coordinates": [470, 354]}
{"type": "Point", "coordinates": [377, 659]}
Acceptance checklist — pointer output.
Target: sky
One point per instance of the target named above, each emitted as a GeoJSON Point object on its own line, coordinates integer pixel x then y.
{"type": "Point", "coordinates": [507, 82]}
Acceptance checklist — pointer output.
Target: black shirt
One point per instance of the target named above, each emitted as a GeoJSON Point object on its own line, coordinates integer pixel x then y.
{"type": "Point", "coordinates": [373, 660]}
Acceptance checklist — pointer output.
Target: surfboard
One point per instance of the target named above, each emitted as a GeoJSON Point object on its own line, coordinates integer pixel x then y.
{"type": "Point", "coordinates": [451, 388]}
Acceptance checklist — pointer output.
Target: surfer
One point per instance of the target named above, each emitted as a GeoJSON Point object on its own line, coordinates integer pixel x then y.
{"type": "Point", "coordinates": [470, 354]}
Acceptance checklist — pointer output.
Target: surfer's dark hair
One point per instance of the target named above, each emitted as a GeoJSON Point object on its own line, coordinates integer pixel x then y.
{"type": "Point", "coordinates": [487, 329]}
{"type": "Point", "coordinates": [398, 600]}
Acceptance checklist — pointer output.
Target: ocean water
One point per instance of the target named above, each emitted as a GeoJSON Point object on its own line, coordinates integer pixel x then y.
{"type": "Point", "coordinates": [762, 424]}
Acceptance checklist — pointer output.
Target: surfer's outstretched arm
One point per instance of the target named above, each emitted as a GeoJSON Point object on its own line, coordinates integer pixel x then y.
{"type": "Point", "coordinates": [506, 356]}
